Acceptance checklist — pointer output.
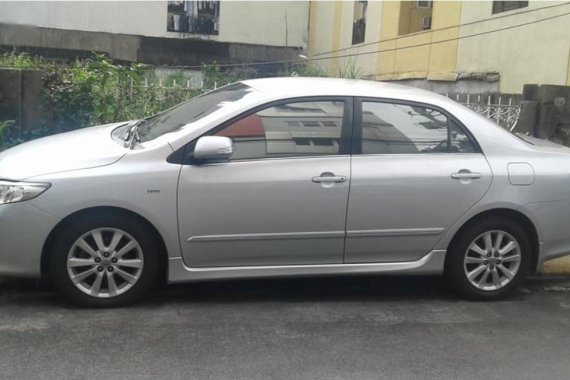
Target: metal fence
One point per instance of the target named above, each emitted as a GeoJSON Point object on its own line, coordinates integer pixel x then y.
{"type": "Point", "coordinates": [504, 110]}
{"type": "Point", "coordinates": [161, 87]}
{"type": "Point", "coordinates": [149, 97]}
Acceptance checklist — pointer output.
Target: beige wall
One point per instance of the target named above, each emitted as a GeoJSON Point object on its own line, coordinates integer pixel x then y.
{"type": "Point", "coordinates": [240, 21]}
{"type": "Point", "coordinates": [330, 29]}
{"type": "Point", "coordinates": [568, 74]}
{"type": "Point", "coordinates": [321, 25]}
{"type": "Point", "coordinates": [536, 53]}
{"type": "Point", "coordinates": [419, 55]}
{"type": "Point", "coordinates": [411, 17]}
{"type": "Point", "coordinates": [264, 22]}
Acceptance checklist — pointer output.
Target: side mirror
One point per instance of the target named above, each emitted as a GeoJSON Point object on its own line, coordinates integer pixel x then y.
{"type": "Point", "coordinates": [213, 148]}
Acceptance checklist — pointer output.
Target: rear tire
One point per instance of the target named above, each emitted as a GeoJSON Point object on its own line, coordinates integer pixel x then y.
{"type": "Point", "coordinates": [489, 259]}
{"type": "Point", "coordinates": [105, 260]}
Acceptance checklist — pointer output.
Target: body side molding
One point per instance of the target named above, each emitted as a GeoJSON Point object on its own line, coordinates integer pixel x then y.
{"type": "Point", "coordinates": [431, 263]}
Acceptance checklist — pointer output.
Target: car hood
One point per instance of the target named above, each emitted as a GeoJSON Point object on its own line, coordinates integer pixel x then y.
{"type": "Point", "coordinates": [80, 149]}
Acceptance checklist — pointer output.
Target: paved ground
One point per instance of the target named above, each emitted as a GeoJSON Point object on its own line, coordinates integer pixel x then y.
{"type": "Point", "coordinates": [357, 328]}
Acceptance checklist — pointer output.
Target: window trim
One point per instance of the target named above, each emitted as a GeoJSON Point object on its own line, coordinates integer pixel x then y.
{"type": "Point", "coordinates": [182, 156]}
{"type": "Point", "coordinates": [356, 146]}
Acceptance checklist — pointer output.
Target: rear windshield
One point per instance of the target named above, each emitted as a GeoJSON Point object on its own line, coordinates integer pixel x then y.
{"type": "Point", "coordinates": [191, 111]}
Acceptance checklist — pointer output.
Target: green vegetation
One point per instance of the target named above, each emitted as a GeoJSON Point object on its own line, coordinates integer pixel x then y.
{"type": "Point", "coordinates": [92, 92]}
{"type": "Point", "coordinates": [4, 125]}
{"type": "Point", "coordinates": [309, 70]}
{"type": "Point", "coordinates": [350, 70]}
{"type": "Point", "coordinates": [97, 91]}
{"type": "Point", "coordinates": [21, 61]}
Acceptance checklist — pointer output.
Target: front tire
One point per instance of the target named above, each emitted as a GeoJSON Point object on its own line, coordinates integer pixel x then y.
{"type": "Point", "coordinates": [104, 260]}
{"type": "Point", "coordinates": [489, 259]}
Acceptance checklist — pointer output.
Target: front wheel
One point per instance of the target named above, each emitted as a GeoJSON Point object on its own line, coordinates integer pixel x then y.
{"type": "Point", "coordinates": [489, 259]}
{"type": "Point", "coordinates": [104, 261]}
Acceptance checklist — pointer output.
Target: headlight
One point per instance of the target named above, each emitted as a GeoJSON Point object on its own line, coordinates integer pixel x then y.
{"type": "Point", "coordinates": [11, 192]}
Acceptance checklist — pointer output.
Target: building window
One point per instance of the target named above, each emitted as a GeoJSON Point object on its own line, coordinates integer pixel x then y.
{"type": "Point", "coordinates": [359, 22]}
{"type": "Point", "coordinates": [200, 17]}
{"type": "Point", "coordinates": [424, 4]}
{"type": "Point", "coordinates": [504, 6]}
{"type": "Point", "coordinates": [415, 16]}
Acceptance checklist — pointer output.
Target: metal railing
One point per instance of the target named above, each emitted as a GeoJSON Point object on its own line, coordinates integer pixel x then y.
{"type": "Point", "coordinates": [503, 110]}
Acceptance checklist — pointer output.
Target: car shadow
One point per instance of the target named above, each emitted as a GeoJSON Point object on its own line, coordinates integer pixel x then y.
{"type": "Point", "coordinates": [292, 290]}
{"type": "Point", "coordinates": [308, 289]}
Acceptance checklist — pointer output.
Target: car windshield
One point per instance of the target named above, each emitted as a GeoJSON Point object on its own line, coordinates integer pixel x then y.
{"type": "Point", "coordinates": [191, 111]}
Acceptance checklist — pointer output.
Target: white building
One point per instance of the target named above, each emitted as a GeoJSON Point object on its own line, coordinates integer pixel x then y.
{"type": "Point", "coordinates": [160, 32]}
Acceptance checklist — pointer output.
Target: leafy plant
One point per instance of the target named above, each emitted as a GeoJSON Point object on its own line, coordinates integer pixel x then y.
{"type": "Point", "coordinates": [21, 61]}
{"type": "Point", "coordinates": [350, 70]}
{"type": "Point", "coordinates": [99, 91]}
{"type": "Point", "coordinates": [309, 70]}
{"type": "Point", "coordinates": [4, 125]}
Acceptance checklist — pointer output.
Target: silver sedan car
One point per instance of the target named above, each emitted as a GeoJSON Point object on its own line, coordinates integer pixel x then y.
{"type": "Point", "coordinates": [285, 177]}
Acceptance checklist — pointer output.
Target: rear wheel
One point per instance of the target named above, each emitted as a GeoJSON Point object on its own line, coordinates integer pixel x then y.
{"type": "Point", "coordinates": [489, 259]}
{"type": "Point", "coordinates": [105, 260]}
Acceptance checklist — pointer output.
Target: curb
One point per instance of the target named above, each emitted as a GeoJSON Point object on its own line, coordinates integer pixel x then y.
{"type": "Point", "coordinates": [559, 266]}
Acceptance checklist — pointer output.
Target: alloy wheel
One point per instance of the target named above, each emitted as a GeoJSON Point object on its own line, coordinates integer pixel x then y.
{"type": "Point", "coordinates": [492, 260]}
{"type": "Point", "coordinates": [105, 262]}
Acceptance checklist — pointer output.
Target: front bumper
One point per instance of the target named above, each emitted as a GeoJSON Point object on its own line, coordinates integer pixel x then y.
{"type": "Point", "coordinates": [23, 231]}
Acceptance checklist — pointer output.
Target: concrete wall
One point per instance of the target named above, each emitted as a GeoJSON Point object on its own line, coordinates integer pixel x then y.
{"type": "Point", "coordinates": [248, 22]}
{"type": "Point", "coordinates": [275, 23]}
{"type": "Point", "coordinates": [71, 44]}
{"type": "Point", "coordinates": [146, 18]}
{"type": "Point", "coordinates": [20, 97]}
{"type": "Point", "coordinates": [537, 53]}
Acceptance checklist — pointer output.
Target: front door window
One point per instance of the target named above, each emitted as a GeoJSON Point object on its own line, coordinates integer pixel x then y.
{"type": "Point", "coordinates": [310, 128]}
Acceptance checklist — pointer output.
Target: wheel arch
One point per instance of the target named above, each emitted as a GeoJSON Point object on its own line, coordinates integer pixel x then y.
{"type": "Point", "coordinates": [48, 244]}
{"type": "Point", "coordinates": [514, 215]}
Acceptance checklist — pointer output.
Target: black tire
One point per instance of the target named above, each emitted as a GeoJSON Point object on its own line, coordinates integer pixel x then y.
{"type": "Point", "coordinates": [455, 270]}
{"type": "Point", "coordinates": [65, 240]}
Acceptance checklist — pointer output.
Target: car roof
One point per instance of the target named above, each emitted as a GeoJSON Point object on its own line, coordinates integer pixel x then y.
{"type": "Point", "coordinates": [303, 86]}
{"type": "Point", "coordinates": [490, 136]}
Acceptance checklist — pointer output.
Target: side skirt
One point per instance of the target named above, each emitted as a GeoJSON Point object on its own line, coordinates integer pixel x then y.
{"type": "Point", "coordinates": [431, 263]}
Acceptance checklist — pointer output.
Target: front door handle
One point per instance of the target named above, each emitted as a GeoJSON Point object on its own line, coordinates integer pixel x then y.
{"type": "Point", "coordinates": [466, 174]}
{"type": "Point", "coordinates": [324, 178]}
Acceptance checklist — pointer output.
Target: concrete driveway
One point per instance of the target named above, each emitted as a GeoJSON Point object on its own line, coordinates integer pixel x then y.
{"type": "Point", "coordinates": [335, 328]}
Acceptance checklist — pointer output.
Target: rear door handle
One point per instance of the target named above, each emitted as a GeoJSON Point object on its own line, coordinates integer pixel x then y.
{"type": "Point", "coordinates": [466, 174]}
{"type": "Point", "coordinates": [329, 178]}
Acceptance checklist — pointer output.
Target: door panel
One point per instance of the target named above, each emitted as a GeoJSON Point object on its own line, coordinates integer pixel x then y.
{"type": "Point", "coordinates": [415, 171]}
{"type": "Point", "coordinates": [264, 212]}
{"type": "Point", "coordinates": [282, 198]}
{"type": "Point", "coordinates": [400, 205]}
